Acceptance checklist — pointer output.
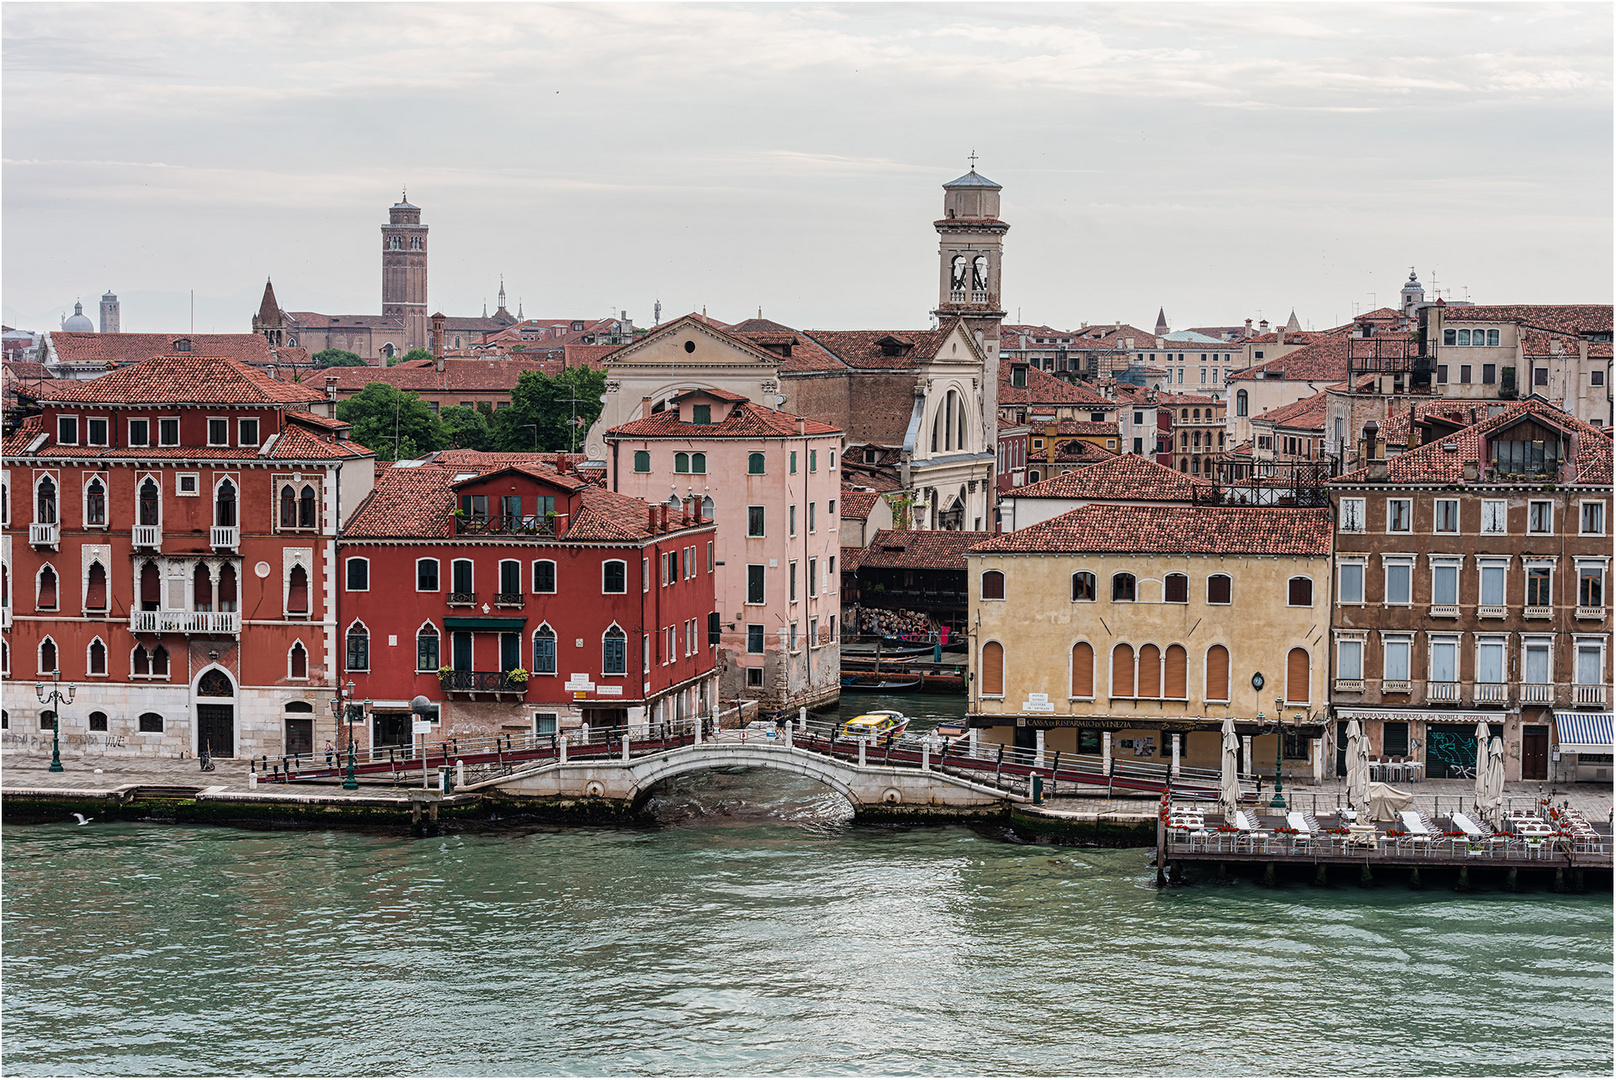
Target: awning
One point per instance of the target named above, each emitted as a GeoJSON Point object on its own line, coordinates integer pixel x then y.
{"type": "Point", "coordinates": [468, 622]}
{"type": "Point", "coordinates": [1584, 732]}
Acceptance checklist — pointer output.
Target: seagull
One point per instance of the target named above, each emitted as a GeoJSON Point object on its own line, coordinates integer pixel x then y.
{"type": "Point", "coordinates": [82, 819]}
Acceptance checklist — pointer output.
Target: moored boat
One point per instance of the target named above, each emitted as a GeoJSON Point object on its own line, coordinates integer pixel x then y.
{"type": "Point", "coordinates": [868, 681]}
{"type": "Point", "coordinates": [879, 724]}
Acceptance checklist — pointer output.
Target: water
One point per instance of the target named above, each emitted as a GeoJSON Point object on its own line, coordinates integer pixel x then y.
{"type": "Point", "coordinates": [754, 930]}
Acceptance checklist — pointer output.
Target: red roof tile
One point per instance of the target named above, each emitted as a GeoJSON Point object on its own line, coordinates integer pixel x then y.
{"type": "Point", "coordinates": [1326, 359]}
{"type": "Point", "coordinates": [1571, 319]}
{"type": "Point", "coordinates": [747, 421]}
{"type": "Point", "coordinates": [1191, 530]}
{"type": "Point", "coordinates": [469, 375]}
{"type": "Point", "coordinates": [864, 348]}
{"type": "Point", "coordinates": [1304, 415]}
{"type": "Point", "coordinates": [187, 379]}
{"type": "Point", "coordinates": [856, 505]}
{"type": "Point", "coordinates": [1045, 389]}
{"type": "Point", "coordinates": [83, 347]}
{"type": "Point", "coordinates": [921, 550]}
{"type": "Point", "coordinates": [1120, 478]}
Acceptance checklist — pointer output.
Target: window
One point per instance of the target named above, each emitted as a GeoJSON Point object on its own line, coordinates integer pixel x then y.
{"type": "Point", "coordinates": [1494, 517]}
{"type": "Point", "coordinates": [1492, 583]}
{"type": "Point", "coordinates": [1444, 660]}
{"type": "Point", "coordinates": [151, 722]}
{"type": "Point", "coordinates": [1122, 588]}
{"type": "Point", "coordinates": [793, 466]}
{"type": "Point", "coordinates": [426, 575]}
{"type": "Point", "coordinates": [754, 637]}
{"type": "Point", "coordinates": [1298, 671]}
{"type": "Point", "coordinates": [358, 647]}
{"type": "Point", "coordinates": [1536, 661]}
{"type": "Point", "coordinates": [1591, 585]}
{"type": "Point", "coordinates": [1445, 583]}
{"type": "Point", "coordinates": [1395, 664]}
{"type": "Point", "coordinates": [510, 578]}
{"type": "Point", "coordinates": [681, 463]}
{"type": "Point", "coordinates": [710, 559]}
{"type": "Point", "coordinates": [614, 576]}
{"type": "Point", "coordinates": [1148, 672]}
{"type": "Point", "coordinates": [1349, 659]}
{"type": "Point", "coordinates": [247, 431]}
{"type": "Point", "coordinates": [168, 431]}
{"type": "Point", "coordinates": [1539, 586]}
{"type": "Point", "coordinates": [1442, 373]}
{"type": "Point", "coordinates": [224, 504]}
{"type": "Point", "coordinates": [186, 483]}
{"type": "Point", "coordinates": [1399, 515]}
{"type": "Point", "coordinates": [1299, 592]}
{"type": "Point", "coordinates": [544, 651]}
{"type": "Point", "coordinates": [1590, 669]}
{"type": "Point", "coordinates": [1219, 587]}
{"type": "Point", "coordinates": [544, 576]}
{"type": "Point", "coordinates": [813, 576]}
{"type": "Point", "coordinates": [1540, 517]}
{"type": "Point", "coordinates": [67, 430]}
{"type": "Point", "coordinates": [297, 662]}
{"type": "Point", "coordinates": [992, 681]}
{"type": "Point", "coordinates": [95, 431]}
{"type": "Point", "coordinates": [642, 461]}
{"type": "Point", "coordinates": [1399, 579]}
{"type": "Point", "coordinates": [95, 661]}
{"type": "Point", "coordinates": [791, 581]}
{"type": "Point", "coordinates": [1082, 586]}
{"type": "Point", "coordinates": [1083, 670]}
{"type": "Point", "coordinates": [306, 508]}
{"type": "Point", "coordinates": [754, 583]}
{"type": "Point", "coordinates": [1446, 518]}
{"type": "Point", "coordinates": [218, 431]}
{"type": "Point", "coordinates": [1352, 582]}
{"type": "Point", "coordinates": [614, 652]}
{"type": "Point", "coordinates": [1540, 376]}
{"type": "Point", "coordinates": [992, 585]}
{"type": "Point", "coordinates": [698, 463]}
{"type": "Point", "coordinates": [812, 517]}
{"type": "Point", "coordinates": [139, 432]}
{"type": "Point", "coordinates": [98, 721]}
{"type": "Point", "coordinates": [1490, 660]}
{"type": "Point", "coordinates": [754, 676]}
{"type": "Point", "coordinates": [45, 590]}
{"type": "Point", "coordinates": [754, 464]}
{"type": "Point", "coordinates": [1464, 373]}
{"type": "Point", "coordinates": [358, 575]}
{"type": "Point", "coordinates": [1352, 515]}
{"type": "Point", "coordinates": [1489, 374]}
{"type": "Point", "coordinates": [791, 520]}
{"type": "Point", "coordinates": [1596, 378]}
{"type": "Point", "coordinates": [1593, 519]}
{"type": "Point", "coordinates": [95, 503]}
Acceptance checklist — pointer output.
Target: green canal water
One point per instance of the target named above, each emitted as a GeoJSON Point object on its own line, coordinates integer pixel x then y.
{"type": "Point", "coordinates": [754, 930]}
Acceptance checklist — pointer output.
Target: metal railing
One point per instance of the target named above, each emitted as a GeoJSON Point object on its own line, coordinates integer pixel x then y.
{"type": "Point", "coordinates": [508, 599]}
{"type": "Point", "coordinates": [462, 599]}
{"type": "Point", "coordinates": [485, 682]}
{"type": "Point", "coordinates": [506, 525]}
{"type": "Point", "coordinates": [185, 622]}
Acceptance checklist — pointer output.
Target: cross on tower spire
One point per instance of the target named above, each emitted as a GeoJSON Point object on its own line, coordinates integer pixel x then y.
{"type": "Point", "coordinates": [972, 157]}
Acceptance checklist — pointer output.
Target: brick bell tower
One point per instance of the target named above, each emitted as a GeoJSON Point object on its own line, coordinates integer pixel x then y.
{"type": "Point", "coordinates": [969, 257]}
{"type": "Point", "coordinates": [404, 272]}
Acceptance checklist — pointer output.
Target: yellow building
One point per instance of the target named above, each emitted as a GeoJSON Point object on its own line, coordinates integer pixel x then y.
{"type": "Point", "coordinates": [1133, 631]}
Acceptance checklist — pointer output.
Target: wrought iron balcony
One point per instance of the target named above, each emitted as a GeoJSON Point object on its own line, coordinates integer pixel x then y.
{"type": "Point", "coordinates": [496, 683]}
{"type": "Point", "coordinates": [462, 599]}
{"type": "Point", "coordinates": [1537, 693]}
{"type": "Point", "coordinates": [43, 534]}
{"type": "Point", "coordinates": [1441, 691]}
{"type": "Point", "coordinates": [1491, 693]}
{"type": "Point", "coordinates": [225, 536]}
{"type": "Point", "coordinates": [1589, 694]}
{"type": "Point", "coordinates": [507, 599]}
{"type": "Point", "coordinates": [506, 525]}
{"type": "Point", "coordinates": [148, 536]}
{"type": "Point", "coordinates": [185, 622]}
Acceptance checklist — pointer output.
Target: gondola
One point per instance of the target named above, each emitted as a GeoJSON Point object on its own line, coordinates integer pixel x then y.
{"type": "Point", "coordinates": [866, 681]}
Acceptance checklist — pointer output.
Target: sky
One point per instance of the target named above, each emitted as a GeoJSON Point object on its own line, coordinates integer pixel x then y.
{"type": "Point", "coordinates": [1220, 161]}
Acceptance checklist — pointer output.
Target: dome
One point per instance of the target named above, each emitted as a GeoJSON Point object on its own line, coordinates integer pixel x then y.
{"type": "Point", "coordinates": [972, 179]}
{"type": "Point", "coordinates": [77, 320]}
{"type": "Point", "coordinates": [1412, 284]}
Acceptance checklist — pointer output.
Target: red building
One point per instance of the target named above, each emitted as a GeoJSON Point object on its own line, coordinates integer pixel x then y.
{"type": "Point", "coordinates": [525, 599]}
{"type": "Point", "coordinates": [169, 533]}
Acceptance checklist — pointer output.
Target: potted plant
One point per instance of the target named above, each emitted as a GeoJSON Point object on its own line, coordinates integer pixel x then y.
{"type": "Point", "coordinates": [517, 675]}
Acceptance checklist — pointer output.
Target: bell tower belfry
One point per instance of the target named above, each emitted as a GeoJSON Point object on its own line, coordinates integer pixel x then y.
{"type": "Point", "coordinates": [970, 251]}
{"type": "Point", "coordinates": [404, 272]}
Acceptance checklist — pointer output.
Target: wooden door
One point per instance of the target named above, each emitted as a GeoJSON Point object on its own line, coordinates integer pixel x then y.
{"type": "Point", "coordinates": [1534, 752]}
{"type": "Point", "coordinates": [216, 730]}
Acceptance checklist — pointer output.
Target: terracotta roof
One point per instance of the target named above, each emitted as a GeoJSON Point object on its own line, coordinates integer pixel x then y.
{"type": "Point", "coordinates": [747, 421]}
{"type": "Point", "coordinates": [863, 348]}
{"type": "Point", "coordinates": [1176, 400]}
{"type": "Point", "coordinates": [1076, 450]}
{"type": "Point", "coordinates": [314, 321]}
{"type": "Point", "coordinates": [474, 376]}
{"type": "Point", "coordinates": [858, 504]}
{"type": "Point", "coordinates": [1045, 389]}
{"type": "Point", "coordinates": [932, 549]}
{"type": "Point", "coordinates": [1461, 411]}
{"type": "Point", "coordinates": [1304, 415]}
{"type": "Point", "coordinates": [1571, 319]}
{"type": "Point", "coordinates": [1120, 478]}
{"type": "Point", "coordinates": [187, 379]}
{"type": "Point", "coordinates": [589, 356]}
{"type": "Point", "coordinates": [1101, 428]}
{"type": "Point", "coordinates": [1197, 530]}
{"type": "Point", "coordinates": [86, 348]}
{"type": "Point", "coordinates": [538, 470]}
{"type": "Point", "coordinates": [1326, 359]}
{"type": "Point", "coordinates": [294, 443]}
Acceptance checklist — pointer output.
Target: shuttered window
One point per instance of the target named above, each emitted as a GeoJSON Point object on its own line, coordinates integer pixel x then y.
{"type": "Point", "coordinates": [1082, 670]}
{"type": "Point", "coordinates": [1217, 673]}
{"type": "Point", "coordinates": [1296, 676]}
{"type": "Point", "coordinates": [993, 668]}
{"type": "Point", "coordinates": [1149, 671]}
{"type": "Point", "coordinates": [1122, 671]}
{"type": "Point", "coordinates": [992, 585]}
{"type": "Point", "coordinates": [1176, 673]}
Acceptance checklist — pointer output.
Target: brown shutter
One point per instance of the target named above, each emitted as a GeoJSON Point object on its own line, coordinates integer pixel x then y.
{"type": "Point", "coordinates": [992, 585]}
{"type": "Point", "coordinates": [1122, 671]}
{"type": "Point", "coordinates": [1083, 670]}
{"type": "Point", "coordinates": [1177, 673]}
{"type": "Point", "coordinates": [1217, 673]}
{"type": "Point", "coordinates": [1149, 671]}
{"type": "Point", "coordinates": [993, 668]}
{"type": "Point", "coordinates": [1296, 673]}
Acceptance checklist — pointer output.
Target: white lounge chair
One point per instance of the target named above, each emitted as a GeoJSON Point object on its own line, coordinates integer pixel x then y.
{"type": "Point", "coordinates": [1412, 823]}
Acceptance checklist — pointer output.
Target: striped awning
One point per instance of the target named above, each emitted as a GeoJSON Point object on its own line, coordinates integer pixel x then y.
{"type": "Point", "coordinates": [1584, 732]}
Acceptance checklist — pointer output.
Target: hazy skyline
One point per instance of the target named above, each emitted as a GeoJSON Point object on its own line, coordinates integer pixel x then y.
{"type": "Point", "coordinates": [1221, 161]}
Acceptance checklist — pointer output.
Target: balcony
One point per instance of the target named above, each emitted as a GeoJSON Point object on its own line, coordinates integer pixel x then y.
{"type": "Point", "coordinates": [1492, 611]}
{"type": "Point", "coordinates": [5, 617]}
{"type": "Point", "coordinates": [225, 536]}
{"type": "Point", "coordinates": [462, 599]}
{"type": "Point", "coordinates": [1591, 613]}
{"type": "Point", "coordinates": [472, 683]}
{"type": "Point", "coordinates": [1396, 686]}
{"type": "Point", "coordinates": [1537, 693]}
{"type": "Point", "coordinates": [148, 536]}
{"type": "Point", "coordinates": [1588, 695]}
{"type": "Point", "coordinates": [506, 525]}
{"type": "Point", "coordinates": [1491, 693]}
{"type": "Point", "coordinates": [43, 534]}
{"type": "Point", "coordinates": [1441, 691]}
{"type": "Point", "coordinates": [1444, 611]}
{"type": "Point", "coordinates": [185, 622]}
{"type": "Point", "coordinates": [1533, 611]}
{"type": "Point", "coordinates": [1349, 686]}
{"type": "Point", "coordinates": [508, 599]}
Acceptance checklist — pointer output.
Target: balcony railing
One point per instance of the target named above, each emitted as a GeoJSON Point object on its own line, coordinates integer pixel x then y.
{"type": "Point", "coordinates": [1590, 612]}
{"type": "Point", "coordinates": [1535, 611]}
{"type": "Point", "coordinates": [185, 622]}
{"type": "Point", "coordinates": [1589, 695]}
{"type": "Point", "coordinates": [225, 536]}
{"type": "Point", "coordinates": [1396, 686]}
{"type": "Point", "coordinates": [42, 534]}
{"type": "Point", "coordinates": [506, 525]}
{"type": "Point", "coordinates": [5, 616]}
{"type": "Point", "coordinates": [1441, 691]}
{"type": "Point", "coordinates": [1491, 693]}
{"type": "Point", "coordinates": [1349, 686]}
{"type": "Point", "coordinates": [1444, 611]}
{"type": "Point", "coordinates": [1492, 611]}
{"type": "Point", "coordinates": [480, 682]}
{"type": "Point", "coordinates": [507, 599]}
{"type": "Point", "coordinates": [462, 599]}
{"type": "Point", "coordinates": [1537, 693]}
{"type": "Point", "coordinates": [148, 536]}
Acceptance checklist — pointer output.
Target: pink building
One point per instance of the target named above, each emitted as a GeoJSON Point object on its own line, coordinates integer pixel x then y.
{"type": "Point", "coordinates": [774, 503]}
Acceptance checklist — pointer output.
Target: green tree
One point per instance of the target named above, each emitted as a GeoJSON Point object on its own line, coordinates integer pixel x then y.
{"type": "Point", "coordinates": [413, 354]}
{"type": "Point", "coordinates": [394, 423]}
{"type": "Point", "coordinates": [550, 413]}
{"type": "Point", "coordinates": [338, 358]}
{"type": "Point", "coordinates": [466, 428]}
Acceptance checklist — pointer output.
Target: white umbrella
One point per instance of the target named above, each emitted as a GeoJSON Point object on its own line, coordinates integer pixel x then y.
{"type": "Point", "coordinates": [1482, 735]}
{"type": "Point", "coordinates": [1229, 785]}
{"type": "Point", "coordinates": [1493, 798]}
{"type": "Point", "coordinates": [1357, 769]}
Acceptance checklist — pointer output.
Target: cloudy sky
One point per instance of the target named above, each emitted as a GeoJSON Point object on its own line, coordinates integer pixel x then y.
{"type": "Point", "coordinates": [1222, 161]}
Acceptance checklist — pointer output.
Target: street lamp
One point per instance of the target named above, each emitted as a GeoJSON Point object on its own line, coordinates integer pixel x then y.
{"type": "Point", "coordinates": [344, 707]}
{"type": "Point", "coordinates": [1278, 801]}
{"type": "Point", "coordinates": [55, 699]}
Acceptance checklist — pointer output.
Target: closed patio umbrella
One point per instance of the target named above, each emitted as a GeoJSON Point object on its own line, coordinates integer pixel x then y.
{"type": "Point", "coordinates": [1493, 798]}
{"type": "Point", "coordinates": [1482, 735]}
{"type": "Point", "coordinates": [1357, 769]}
{"type": "Point", "coordinates": [1229, 783]}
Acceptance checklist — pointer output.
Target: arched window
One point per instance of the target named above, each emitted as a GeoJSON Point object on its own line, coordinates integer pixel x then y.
{"type": "Point", "coordinates": [544, 576]}
{"type": "Point", "coordinates": [1218, 589]}
{"type": "Point", "coordinates": [224, 504]}
{"type": "Point", "coordinates": [47, 656]}
{"type": "Point", "coordinates": [614, 576]}
{"type": "Point", "coordinates": [150, 508]}
{"type": "Point", "coordinates": [95, 588]}
{"type": "Point", "coordinates": [45, 591]}
{"type": "Point", "coordinates": [47, 720]}
{"type": "Point", "coordinates": [358, 578]}
{"type": "Point", "coordinates": [151, 722]}
{"type": "Point", "coordinates": [428, 653]}
{"type": "Point", "coordinates": [698, 463]}
{"type": "Point", "coordinates": [510, 579]}
{"type": "Point", "coordinates": [681, 463]}
{"type": "Point", "coordinates": [202, 588]}
{"type": "Point", "coordinates": [614, 651]}
{"type": "Point", "coordinates": [95, 502]}
{"type": "Point", "coordinates": [544, 650]}
{"type": "Point", "coordinates": [159, 661]}
{"type": "Point", "coordinates": [1196, 413]}
{"type": "Point", "coordinates": [959, 420]}
{"type": "Point", "coordinates": [1083, 586]}
{"type": "Point", "coordinates": [1175, 673]}
{"type": "Point", "coordinates": [1033, 476]}
{"type": "Point", "coordinates": [306, 508]}
{"type": "Point", "coordinates": [358, 647]}
{"type": "Point", "coordinates": [992, 585]}
{"type": "Point", "coordinates": [288, 507]}
{"type": "Point", "coordinates": [642, 461]}
{"type": "Point", "coordinates": [1241, 403]}
{"type": "Point", "coordinates": [95, 660]}
{"type": "Point", "coordinates": [45, 502]}
{"type": "Point", "coordinates": [426, 575]}
{"type": "Point", "coordinates": [297, 663]}
{"type": "Point", "coordinates": [993, 668]}
{"type": "Point", "coordinates": [215, 683]}
{"type": "Point", "coordinates": [139, 661]}
{"type": "Point", "coordinates": [1297, 669]}
{"type": "Point", "coordinates": [754, 464]}
{"type": "Point", "coordinates": [1122, 588]}
{"type": "Point", "coordinates": [297, 591]}
{"type": "Point", "coordinates": [1083, 670]}
{"type": "Point", "coordinates": [98, 721]}
{"type": "Point", "coordinates": [708, 508]}
{"type": "Point", "coordinates": [936, 431]}
{"type": "Point", "coordinates": [1122, 671]}
{"type": "Point", "coordinates": [227, 587]}
{"type": "Point", "coordinates": [1149, 678]}
{"type": "Point", "coordinates": [1176, 589]}
{"type": "Point", "coordinates": [1299, 592]}
{"type": "Point", "coordinates": [462, 584]}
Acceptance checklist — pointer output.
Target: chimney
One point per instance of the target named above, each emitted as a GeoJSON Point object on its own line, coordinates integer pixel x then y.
{"type": "Point", "coordinates": [645, 408]}
{"type": "Point", "coordinates": [331, 387]}
{"type": "Point", "coordinates": [802, 426]}
{"type": "Point", "coordinates": [1472, 470]}
{"type": "Point", "coordinates": [650, 518]}
{"type": "Point", "coordinates": [437, 340]}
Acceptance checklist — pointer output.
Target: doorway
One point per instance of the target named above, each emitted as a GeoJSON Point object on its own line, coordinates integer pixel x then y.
{"type": "Point", "coordinates": [1534, 752]}
{"type": "Point", "coordinates": [299, 735]}
{"type": "Point", "coordinates": [390, 729]}
{"type": "Point", "coordinates": [216, 730]}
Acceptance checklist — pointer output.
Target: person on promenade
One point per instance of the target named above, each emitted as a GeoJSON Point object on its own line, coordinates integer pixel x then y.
{"type": "Point", "coordinates": [330, 754]}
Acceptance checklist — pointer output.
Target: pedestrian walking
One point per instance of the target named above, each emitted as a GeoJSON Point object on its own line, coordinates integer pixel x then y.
{"type": "Point", "coordinates": [330, 755]}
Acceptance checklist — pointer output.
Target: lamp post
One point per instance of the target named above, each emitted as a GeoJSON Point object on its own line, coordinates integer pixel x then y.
{"type": "Point", "coordinates": [343, 707]}
{"type": "Point", "coordinates": [1278, 801]}
{"type": "Point", "coordinates": [55, 699]}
